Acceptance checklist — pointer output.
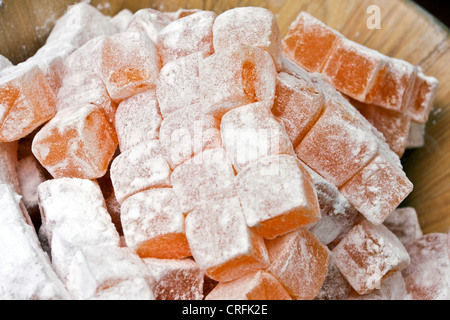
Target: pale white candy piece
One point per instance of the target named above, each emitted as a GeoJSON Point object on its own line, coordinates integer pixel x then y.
{"type": "Point", "coordinates": [81, 23]}
{"type": "Point", "coordinates": [250, 133]}
{"type": "Point", "coordinates": [207, 176]}
{"type": "Point", "coordinates": [138, 120]}
{"type": "Point", "coordinates": [368, 255]}
{"type": "Point", "coordinates": [8, 165]}
{"type": "Point", "coordinates": [391, 289]}
{"type": "Point", "coordinates": [404, 223]}
{"type": "Point", "coordinates": [134, 289]}
{"type": "Point", "coordinates": [122, 19]}
{"type": "Point", "coordinates": [187, 132]}
{"type": "Point", "coordinates": [139, 169]}
{"type": "Point", "coordinates": [416, 137]}
{"type": "Point", "coordinates": [96, 268]}
{"type": "Point", "coordinates": [179, 85]}
{"type": "Point", "coordinates": [25, 269]}
{"type": "Point", "coordinates": [149, 214]}
{"type": "Point", "coordinates": [249, 25]}
{"type": "Point", "coordinates": [176, 279]}
{"type": "Point", "coordinates": [149, 21]}
{"type": "Point", "coordinates": [4, 63]}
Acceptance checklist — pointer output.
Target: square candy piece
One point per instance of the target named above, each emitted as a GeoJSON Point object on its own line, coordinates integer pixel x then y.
{"type": "Point", "coordinates": [129, 65]}
{"type": "Point", "coordinates": [138, 120]}
{"type": "Point", "coordinates": [378, 189]}
{"type": "Point", "coordinates": [422, 98]}
{"type": "Point", "coordinates": [404, 223]}
{"type": "Point", "coordinates": [392, 288]}
{"type": "Point", "coordinates": [187, 35]}
{"type": "Point", "coordinates": [149, 21]}
{"type": "Point", "coordinates": [258, 286]}
{"type": "Point", "coordinates": [207, 176]}
{"type": "Point", "coordinates": [277, 196]}
{"type": "Point", "coordinates": [346, 145]}
{"type": "Point", "coordinates": [139, 169]}
{"type": "Point", "coordinates": [153, 225]}
{"type": "Point", "coordinates": [352, 68]}
{"type": "Point", "coordinates": [416, 136]}
{"type": "Point", "coordinates": [232, 27]}
{"type": "Point", "coordinates": [237, 76]}
{"type": "Point", "coordinates": [250, 133]}
{"type": "Point", "coordinates": [309, 42]}
{"type": "Point", "coordinates": [26, 101]}
{"type": "Point", "coordinates": [176, 279]}
{"type": "Point", "coordinates": [298, 105]}
{"type": "Point", "coordinates": [300, 262]}
{"type": "Point", "coordinates": [179, 83]}
{"type": "Point", "coordinates": [335, 286]}
{"type": "Point", "coordinates": [187, 132]}
{"type": "Point", "coordinates": [221, 242]}
{"type": "Point", "coordinates": [368, 255]}
{"type": "Point", "coordinates": [79, 142]}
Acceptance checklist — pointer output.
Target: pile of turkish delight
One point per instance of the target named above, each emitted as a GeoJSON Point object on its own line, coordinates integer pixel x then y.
{"type": "Point", "coordinates": [189, 155]}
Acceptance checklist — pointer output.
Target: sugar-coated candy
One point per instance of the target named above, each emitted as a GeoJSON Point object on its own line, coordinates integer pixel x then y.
{"type": "Point", "coordinates": [8, 165]}
{"type": "Point", "coordinates": [98, 268]}
{"type": "Point", "coordinates": [4, 63]}
{"type": "Point", "coordinates": [346, 145]}
{"type": "Point", "coordinates": [428, 275]}
{"type": "Point", "coordinates": [207, 176]}
{"type": "Point", "coordinates": [378, 189]}
{"type": "Point", "coordinates": [404, 223]}
{"type": "Point", "coordinates": [112, 205]}
{"type": "Point", "coordinates": [391, 289]}
{"type": "Point", "coordinates": [257, 286]}
{"type": "Point", "coordinates": [182, 37]}
{"type": "Point", "coordinates": [237, 76]}
{"type": "Point", "coordinates": [149, 21]}
{"type": "Point", "coordinates": [129, 64]}
{"type": "Point", "coordinates": [300, 262]}
{"type": "Point", "coordinates": [233, 26]}
{"type": "Point", "coordinates": [422, 98]}
{"type": "Point", "coordinates": [153, 225]}
{"type": "Point", "coordinates": [25, 269]}
{"type": "Point", "coordinates": [309, 42]}
{"type": "Point", "coordinates": [277, 196]}
{"type": "Point", "coordinates": [128, 290]}
{"type": "Point", "coordinates": [250, 133]}
{"type": "Point", "coordinates": [122, 19]}
{"type": "Point", "coordinates": [338, 216]}
{"type": "Point", "coordinates": [26, 101]}
{"type": "Point", "coordinates": [368, 255]}
{"type": "Point", "coordinates": [138, 169]}
{"type": "Point", "coordinates": [416, 136]}
{"type": "Point", "coordinates": [79, 142]}
{"type": "Point", "coordinates": [335, 286]}
{"type": "Point", "coordinates": [221, 243]}
{"type": "Point", "coordinates": [176, 279]}
{"type": "Point", "coordinates": [81, 23]}
{"type": "Point", "coordinates": [392, 88]}
{"type": "Point", "coordinates": [181, 13]}
{"type": "Point", "coordinates": [298, 105]}
{"type": "Point", "coordinates": [179, 83]}
{"type": "Point", "coordinates": [187, 132]}
{"type": "Point", "coordinates": [138, 120]}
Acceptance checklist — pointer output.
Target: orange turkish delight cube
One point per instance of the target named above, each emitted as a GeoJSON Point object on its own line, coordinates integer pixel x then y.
{"type": "Point", "coordinates": [78, 142]}
{"type": "Point", "coordinates": [422, 98]}
{"type": "Point", "coordinates": [309, 42]}
{"type": "Point", "coordinates": [153, 225]}
{"type": "Point", "coordinates": [221, 243]}
{"type": "Point", "coordinates": [289, 254]}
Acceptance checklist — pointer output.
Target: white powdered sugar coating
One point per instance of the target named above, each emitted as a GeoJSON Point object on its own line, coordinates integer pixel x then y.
{"type": "Point", "coordinates": [4, 63]}
{"type": "Point", "coordinates": [392, 288]}
{"type": "Point", "coordinates": [8, 165]}
{"type": "Point", "coordinates": [30, 176]}
{"type": "Point", "coordinates": [122, 19]}
{"type": "Point", "coordinates": [25, 269]}
{"type": "Point", "coordinates": [416, 137]}
{"type": "Point", "coordinates": [149, 21]}
{"type": "Point", "coordinates": [128, 290]}
{"type": "Point", "coordinates": [404, 223]}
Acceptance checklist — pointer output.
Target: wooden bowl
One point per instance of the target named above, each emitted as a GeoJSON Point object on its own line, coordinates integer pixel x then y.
{"type": "Point", "coordinates": [407, 32]}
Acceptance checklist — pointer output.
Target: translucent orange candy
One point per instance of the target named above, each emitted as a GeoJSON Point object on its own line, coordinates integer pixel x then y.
{"type": "Point", "coordinates": [258, 286]}
{"type": "Point", "coordinates": [27, 101]}
{"type": "Point", "coordinates": [300, 262]}
{"type": "Point", "coordinates": [309, 42]}
{"type": "Point", "coordinates": [277, 196]}
{"type": "Point", "coordinates": [187, 35]}
{"type": "Point", "coordinates": [153, 225]}
{"type": "Point", "coordinates": [237, 76]}
{"type": "Point", "coordinates": [422, 98]}
{"type": "Point", "coordinates": [221, 242]}
{"type": "Point", "coordinates": [78, 142]}
{"type": "Point", "coordinates": [232, 27]}
{"type": "Point", "coordinates": [368, 255]}
{"type": "Point", "coordinates": [129, 64]}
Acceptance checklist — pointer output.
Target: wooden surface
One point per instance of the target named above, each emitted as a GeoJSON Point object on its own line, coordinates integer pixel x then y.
{"type": "Point", "coordinates": [407, 32]}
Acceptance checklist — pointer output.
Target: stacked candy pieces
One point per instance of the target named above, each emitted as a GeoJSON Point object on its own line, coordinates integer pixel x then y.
{"type": "Point", "coordinates": [402, 91]}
